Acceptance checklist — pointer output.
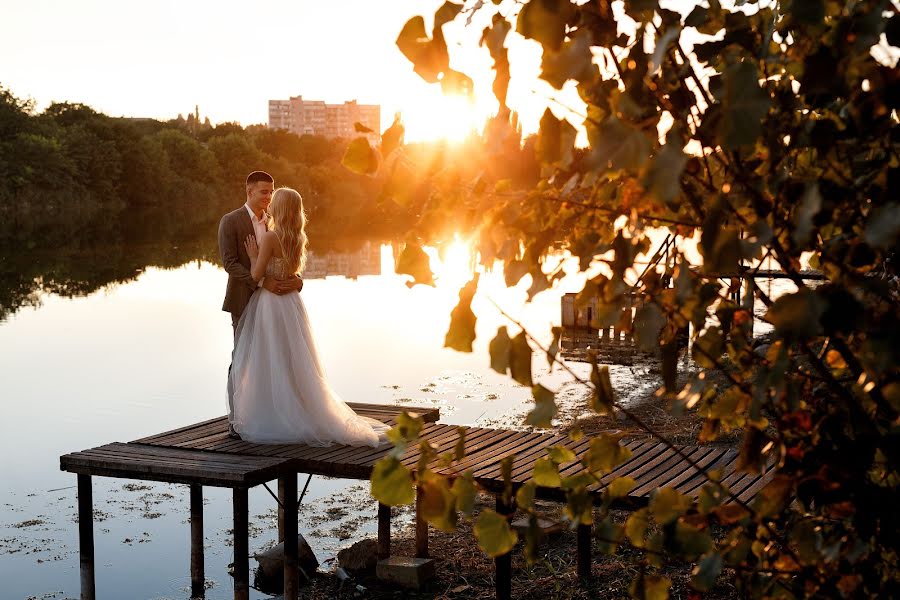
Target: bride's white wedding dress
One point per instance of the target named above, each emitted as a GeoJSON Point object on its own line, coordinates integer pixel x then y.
{"type": "Point", "coordinates": [281, 394]}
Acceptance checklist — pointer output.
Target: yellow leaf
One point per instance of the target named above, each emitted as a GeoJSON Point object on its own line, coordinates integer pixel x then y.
{"type": "Point", "coordinates": [494, 534]}
{"type": "Point", "coordinates": [392, 482]}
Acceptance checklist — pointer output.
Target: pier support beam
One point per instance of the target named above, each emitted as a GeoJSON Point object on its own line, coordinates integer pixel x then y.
{"type": "Point", "coordinates": [241, 544]}
{"type": "Point", "coordinates": [583, 535]}
{"type": "Point", "coordinates": [503, 564]}
{"type": "Point", "coordinates": [287, 489]}
{"type": "Point", "coordinates": [384, 531]}
{"type": "Point", "coordinates": [86, 537]}
{"type": "Point", "coordinates": [198, 577]}
{"type": "Point", "coordinates": [421, 526]}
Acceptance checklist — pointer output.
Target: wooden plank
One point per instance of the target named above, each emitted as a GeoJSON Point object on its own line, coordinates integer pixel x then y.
{"type": "Point", "coordinates": [489, 455]}
{"type": "Point", "coordinates": [524, 457]}
{"type": "Point", "coordinates": [182, 429]}
{"type": "Point", "coordinates": [491, 466]}
{"type": "Point", "coordinates": [692, 486]}
{"type": "Point", "coordinates": [750, 493]}
{"type": "Point", "coordinates": [138, 461]}
{"type": "Point", "coordinates": [669, 470]}
{"type": "Point", "coordinates": [522, 470]}
{"type": "Point", "coordinates": [688, 472]}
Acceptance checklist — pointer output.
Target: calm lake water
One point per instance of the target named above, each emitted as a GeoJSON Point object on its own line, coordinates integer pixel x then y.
{"type": "Point", "coordinates": [150, 353]}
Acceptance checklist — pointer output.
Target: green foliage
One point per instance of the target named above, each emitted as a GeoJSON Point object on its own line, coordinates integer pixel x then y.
{"type": "Point", "coordinates": [392, 482]}
{"type": "Point", "coordinates": [766, 135]}
{"type": "Point", "coordinates": [494, 534]}
{"type": "Point", "coordinates": [462, 320]}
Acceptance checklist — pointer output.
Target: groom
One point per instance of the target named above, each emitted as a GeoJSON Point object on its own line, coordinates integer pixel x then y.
{"type": "Point", "coordinates": [234, 228]}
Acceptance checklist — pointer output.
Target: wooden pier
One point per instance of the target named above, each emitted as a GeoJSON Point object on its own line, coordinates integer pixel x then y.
{"type": "Point", "coordinates": [203, 454]}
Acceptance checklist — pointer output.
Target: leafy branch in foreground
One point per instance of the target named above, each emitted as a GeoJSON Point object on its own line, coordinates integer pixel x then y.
{"type": "Point", "coordinates": [754, 131]}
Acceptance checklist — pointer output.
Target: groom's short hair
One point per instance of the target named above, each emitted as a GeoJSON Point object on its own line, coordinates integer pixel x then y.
{"type": "Point", "coordinates": [259, 176]}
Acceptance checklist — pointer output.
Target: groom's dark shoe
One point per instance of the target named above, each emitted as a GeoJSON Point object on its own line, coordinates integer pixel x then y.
{"type": "Point", "coordinates": [232, 433]}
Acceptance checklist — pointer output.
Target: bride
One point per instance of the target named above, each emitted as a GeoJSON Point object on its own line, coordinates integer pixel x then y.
{"type": "Point", "coordinates": [281, 394]}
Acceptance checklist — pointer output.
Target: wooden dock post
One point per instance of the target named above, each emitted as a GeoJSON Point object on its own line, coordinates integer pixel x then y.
{"type": "Point", "coordinates": [421, 526]}
{"type": "Point", "coordinates": [288, 485]}
{"type": "Point", "coordinates": [281, 505]}
{"type": "Point", "coordinates": [86, 537]}
{"type": "Point", "coordinates": [384, 531]}
{"type": "Point", "coordinates": [584, 550]}
{"type": "Point", "coordinates": [503, 564]}
{"type": "Point", "coordinates": [198, 577]}
{"type": "Point", "coordinates": [241, 544]}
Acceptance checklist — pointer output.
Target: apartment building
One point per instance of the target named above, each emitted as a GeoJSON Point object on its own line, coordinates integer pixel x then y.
{"type": "Point", "coordinates": [318, 118]}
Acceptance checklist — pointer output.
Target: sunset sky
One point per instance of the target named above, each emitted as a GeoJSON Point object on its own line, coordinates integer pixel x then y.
{"type": "Point", "coordinates": [160, 58]}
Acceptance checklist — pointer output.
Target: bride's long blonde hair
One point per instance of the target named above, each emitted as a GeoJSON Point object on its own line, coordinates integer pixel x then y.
{"type": "Point", "coordinates": [289, 224]}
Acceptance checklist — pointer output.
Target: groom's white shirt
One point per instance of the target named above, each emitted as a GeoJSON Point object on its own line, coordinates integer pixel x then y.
{"type": "Point", "coordinates": [259, 228]}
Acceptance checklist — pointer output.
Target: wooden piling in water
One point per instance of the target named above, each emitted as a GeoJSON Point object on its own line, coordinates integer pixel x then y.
{"type": "Point", "coordinates": [503, 564]}
{"type": "Point", "coordinates": [287, 486]}
{"type": "Point", "coordinates": [86, 537]}
{"type": "Point", "coordinates": [421, 526]}
{"type": "Point", "coordinates": [198, 577]}
{"type": "Point", "coordinates": [241, 544]}
{"type": "Point", "coordinates": [384, 531]}
{"type": "Point", "coordinates": [583, 536]}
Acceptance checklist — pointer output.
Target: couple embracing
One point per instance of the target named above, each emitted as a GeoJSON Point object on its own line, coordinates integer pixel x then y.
{"type": "Point", "coordinates": [277, 389]}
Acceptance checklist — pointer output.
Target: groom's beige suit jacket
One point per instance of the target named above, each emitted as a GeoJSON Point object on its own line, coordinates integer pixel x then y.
{"type": "Point", "coordinates": [233, 230]}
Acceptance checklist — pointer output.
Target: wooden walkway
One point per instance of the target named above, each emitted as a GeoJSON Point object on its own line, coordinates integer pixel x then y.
{"type": "Point", "coordinates": [203, 454]}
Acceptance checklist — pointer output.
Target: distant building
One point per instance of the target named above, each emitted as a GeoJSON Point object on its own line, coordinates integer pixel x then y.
{"type": "Point", "coordinates": [317, 118]}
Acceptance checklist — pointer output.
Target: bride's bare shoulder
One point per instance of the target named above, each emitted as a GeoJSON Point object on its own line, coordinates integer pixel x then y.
{"type": "Point", "coordinates": [270, 238]}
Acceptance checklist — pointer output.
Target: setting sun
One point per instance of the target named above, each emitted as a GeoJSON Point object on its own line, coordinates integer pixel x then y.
{"type": "Point", "coordinates": [445, 117]}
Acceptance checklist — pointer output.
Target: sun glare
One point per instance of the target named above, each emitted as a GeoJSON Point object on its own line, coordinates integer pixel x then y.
{"type": "Point", "coordinates": [445, 117]}
{"type": "Point", "coordinates": [452, 265]}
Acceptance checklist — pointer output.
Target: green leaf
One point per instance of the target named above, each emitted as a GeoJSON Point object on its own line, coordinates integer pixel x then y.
{"type": "Point", "coordinates": [809, 207]}
{"type": "Point", "coordinates": [809, 12]}
{"type": "Point", "coordinates": [392, 137]}
{"type": "Point", "coordinates": [667, 504]}
{"type": "Point", "coordinates": [636, 527]}
{"type": "Point", "coordinates": [663, 178]}
{"type": "Point", "coordinates": [617, 145]}
{"type": "Point", "coordinates": [648, 322]}
{"type": "Point", "coordinates": [360, 157]}
{"type": "Point", "coordinates": [691, 542]}
{"type": "Point", "coordinates": [544, 409]}
{"type": "Point", "coordinates": [392, 483]}
{"type": "Point", "coordinates": [446, 13]}
{"type": "Point", "coordinates": [560, 454]}
{"type": "Point", "coordinates": [704, 575]}
{"type": "Point", "coordinates": [525, 495]}
{"type": "Point", "coordinates": [461, 333]}
{"type": "Point", "coordinates": [429, 56]}
{"type": "Point", "coordinates": [438, 503]}
{"type": "Point", "coordinates": [556, 140]}
{"type": "Point", "coordinates": [745, 104]}
{"type": "Point", "coordinates": [573, 61]}
{"type": "Point", "coordinates": [609, 534]}
{"type": "Point", "coordinates": [405, 431]}
{"type": "Point", "coordinates": [545, 21]}
{"type": "Point", "coordinates": [603, 399]}
{"type": "Point", "coordinates": [514, 271]}
{"type": "Point", "coordinates": [619, 487]}
{"type": "Point", "coordinates": [464, 490]}
{"type": "Point", "coordinates": [650, 587]}
{"type": "Point", "coordinates": [520, 360]}
{"type": "Point", "coordinates": [883, 226]}
{"type": "Point", "coordinates": [605, 453]}
{"type": "Point", "coordinates": [459, 451]}
{"type": "Point", "coordinates": [774, 497]}
{"type": "Point", "coordinates": [797, 315]}
{"type": "Point", "coordinates": [499, 351]}
{"type": "Point", "coordinates": [708, 348]}
{"type": "Point", "coordinates": [413, 261]}
{"type": "Point", "coordinates": [546, 473]}
{"type": "Point", "coordinates": [494, 534]}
